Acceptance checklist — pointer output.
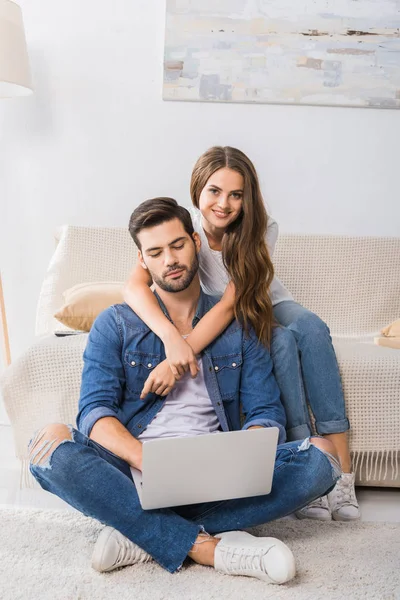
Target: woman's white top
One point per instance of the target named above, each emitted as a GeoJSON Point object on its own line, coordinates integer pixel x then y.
{"type": "Point", "coordinates": [213, 275]}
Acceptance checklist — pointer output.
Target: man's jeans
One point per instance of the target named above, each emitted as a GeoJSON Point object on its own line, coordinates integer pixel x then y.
{"type": "Point", "coordinates": [99, 484]}
{"type": "Point", "coordinates": [305, 368]}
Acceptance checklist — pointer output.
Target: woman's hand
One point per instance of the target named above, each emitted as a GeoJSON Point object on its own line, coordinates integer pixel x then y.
{"type": "Point", "coordinates": [160, 381]}
{"type": "Point", "coordinates": [180, 356]}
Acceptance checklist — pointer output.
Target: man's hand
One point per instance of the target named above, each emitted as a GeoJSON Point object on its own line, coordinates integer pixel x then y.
{"type": "Point", "coordinates": [160, 381]}
{"type": "Point", "coordinates": [255, 427]}
{"type": "Point", "coordinates": [112, 435]}
{"type": "Point", "coordinates": [180, 356]}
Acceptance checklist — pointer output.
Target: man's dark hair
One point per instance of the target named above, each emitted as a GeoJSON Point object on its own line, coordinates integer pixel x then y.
{"type": "Point", "coordinates": [156, 211]}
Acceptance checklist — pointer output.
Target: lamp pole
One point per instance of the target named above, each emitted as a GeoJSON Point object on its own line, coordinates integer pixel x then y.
{"type": "Point", "coordinates": [4, 329]}
{"type": "Point", "coordinates": [15, 80]}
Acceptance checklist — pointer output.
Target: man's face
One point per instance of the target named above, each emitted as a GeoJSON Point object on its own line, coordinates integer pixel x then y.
{"type": "Point", "coordinates": [170, 255]}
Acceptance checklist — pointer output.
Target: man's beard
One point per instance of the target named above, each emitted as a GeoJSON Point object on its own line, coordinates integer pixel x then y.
{"type": "Point", "coordinates": [169, 285]}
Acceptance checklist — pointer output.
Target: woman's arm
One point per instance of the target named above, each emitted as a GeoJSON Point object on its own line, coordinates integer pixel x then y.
{"type": "Point", "coordinates": [138, 295]}
{"type": "Point", "coordinates": [209, 327]}
{"type": "Point", "coordinates": [214, 322]}
{"type": "Point", "coordinates": [141, 299]}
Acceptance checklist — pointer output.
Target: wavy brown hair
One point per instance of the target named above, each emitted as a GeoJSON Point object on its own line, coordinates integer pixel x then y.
{"type": "Point", "coordinates": [244, 250]}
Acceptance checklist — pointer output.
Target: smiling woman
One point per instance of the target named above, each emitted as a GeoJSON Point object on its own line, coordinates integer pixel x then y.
{"type": "Point", "coordinates": [225, 187]}
{"type": "Point", "coordinates": [220, 203]}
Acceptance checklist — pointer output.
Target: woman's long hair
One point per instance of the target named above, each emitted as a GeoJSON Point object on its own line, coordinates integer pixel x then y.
{"type": "Point", "coordinates": [244, 249]}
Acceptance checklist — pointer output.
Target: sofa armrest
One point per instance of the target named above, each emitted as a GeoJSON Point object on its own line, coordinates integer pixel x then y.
{"type": "Point", "coordinates": [42, 386]}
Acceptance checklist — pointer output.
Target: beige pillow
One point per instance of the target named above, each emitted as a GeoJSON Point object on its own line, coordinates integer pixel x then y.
{"type": "Point", "coordinates": [389, 342]}
{"type": "Point", "coordinates": [392, 330]}
{"type": "Point", "coordinates": [85, 301]}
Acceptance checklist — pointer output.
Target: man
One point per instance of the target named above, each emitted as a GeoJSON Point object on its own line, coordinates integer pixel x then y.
{"type": "Point", "coordinates": [90, 467]}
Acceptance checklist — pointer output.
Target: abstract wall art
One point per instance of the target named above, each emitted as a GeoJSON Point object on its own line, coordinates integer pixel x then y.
{"type": "Point", "coordinates": [322, 52]}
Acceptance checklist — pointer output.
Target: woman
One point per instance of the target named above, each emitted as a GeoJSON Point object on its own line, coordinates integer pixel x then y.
{"type": "Point", "coordinates": [237, 240]}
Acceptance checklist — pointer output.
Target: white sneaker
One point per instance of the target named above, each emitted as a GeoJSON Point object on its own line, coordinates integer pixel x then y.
{"type": "Point", "coordinates": [113, 550]}
{"type": "Point", "coordinates": [343, 501]}
{"type": "Point", "coordinates": [319, 509]}
{"type": "Point", "coordinates": [268, 559]}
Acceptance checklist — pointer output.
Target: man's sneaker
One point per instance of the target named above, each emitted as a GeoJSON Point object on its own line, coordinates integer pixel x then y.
{"type": "Point", "coordinates": [268, 559]}
{"type": "Point", "coordinates": [343, 501]}
{"type": "Point", "coordinates": [113, 550]}
{"type": "Point", "coordinates": [319, 509]}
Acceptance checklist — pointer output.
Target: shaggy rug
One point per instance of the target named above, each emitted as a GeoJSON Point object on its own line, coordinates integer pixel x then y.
{"type": "Point", "coordinates": [46, 555]}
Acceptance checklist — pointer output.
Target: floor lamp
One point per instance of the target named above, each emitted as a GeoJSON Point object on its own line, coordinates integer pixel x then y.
{"type": "Point", "coordinates": [15, 80]}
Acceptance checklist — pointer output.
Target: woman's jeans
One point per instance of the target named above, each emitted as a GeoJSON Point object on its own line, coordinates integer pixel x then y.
{"type": "Point", "coordinates": [306, 368]}
{"type": "Point", "coordinates": [99, 484]}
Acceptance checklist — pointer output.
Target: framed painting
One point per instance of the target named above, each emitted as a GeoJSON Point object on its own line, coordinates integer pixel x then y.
{"type": "Point", "coordinates": [322, 52]}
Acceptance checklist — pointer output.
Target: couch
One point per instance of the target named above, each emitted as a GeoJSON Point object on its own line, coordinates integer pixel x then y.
{"type": "Point", "coordinates": [353, 283]}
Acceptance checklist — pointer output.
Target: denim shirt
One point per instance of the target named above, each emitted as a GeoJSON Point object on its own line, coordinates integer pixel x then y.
{"type": "Point", "coordinates": [122, 351]}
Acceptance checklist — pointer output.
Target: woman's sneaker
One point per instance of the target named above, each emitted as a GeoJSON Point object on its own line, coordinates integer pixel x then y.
{"type": "Point", "coordinates": [113, 550]}
{"type": "Point", "coordinates": [319, 509]}
{"type": "Point", "coordinates": [268, 559]}
{"type": "Point", "coordinates": [343, 501]}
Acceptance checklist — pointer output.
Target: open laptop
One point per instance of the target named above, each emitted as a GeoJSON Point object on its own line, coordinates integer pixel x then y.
{"type": "Point", "coordinates": [206, 468]}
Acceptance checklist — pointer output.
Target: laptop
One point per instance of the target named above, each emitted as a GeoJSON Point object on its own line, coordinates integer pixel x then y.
{"type": "Point", "coordinates": [206, 468]}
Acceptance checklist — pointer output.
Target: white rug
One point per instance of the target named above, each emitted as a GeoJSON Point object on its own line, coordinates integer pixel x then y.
{"type": "Point", "coordinates": [46, 555]}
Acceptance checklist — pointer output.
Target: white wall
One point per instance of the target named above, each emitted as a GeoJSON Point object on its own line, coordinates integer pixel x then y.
{"type": "Point", "coordinates": [96, 139]}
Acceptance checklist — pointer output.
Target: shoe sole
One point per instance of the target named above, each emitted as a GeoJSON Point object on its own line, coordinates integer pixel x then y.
{"type": "Point", "coordinates": [300, 516]}
{"type": "Point", "coordinates": [338, 518]}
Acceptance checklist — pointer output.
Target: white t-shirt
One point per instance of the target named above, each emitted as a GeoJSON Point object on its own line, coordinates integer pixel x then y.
{"type": "Point", "coordinates": [187, 411]}
{"type": "Point", "coordinates": [213, 275]}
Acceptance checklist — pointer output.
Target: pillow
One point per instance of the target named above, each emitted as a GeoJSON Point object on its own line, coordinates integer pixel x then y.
{"type": "Point", "coordinates": [389, 342]}
{"type": "Point", "coordinates": [390, 336]}
{"type": "Point", "coordinates": [85, 301]}
{"type": "Point", "coordinates": [392, 330]}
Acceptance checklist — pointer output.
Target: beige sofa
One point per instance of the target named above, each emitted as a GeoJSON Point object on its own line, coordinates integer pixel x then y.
{"type": "Point", "coordinates": [352, 283]}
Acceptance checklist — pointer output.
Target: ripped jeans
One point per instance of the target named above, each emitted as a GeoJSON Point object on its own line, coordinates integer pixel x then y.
{"type": "Point", "coordinates": [99, 484]}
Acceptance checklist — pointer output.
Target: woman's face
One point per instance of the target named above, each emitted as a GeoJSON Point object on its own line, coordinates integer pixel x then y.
{"type": "Point", "coordinates": [221, 199]}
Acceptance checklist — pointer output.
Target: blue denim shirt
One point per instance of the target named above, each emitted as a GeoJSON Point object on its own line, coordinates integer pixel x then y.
{"type": "Point", "coordinates": [122, 351]}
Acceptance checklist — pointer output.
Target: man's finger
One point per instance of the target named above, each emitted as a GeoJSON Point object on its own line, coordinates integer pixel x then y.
{"type": "Point", "coordinates": [159, 390]}
{"type": "Point", "coordinates": [194, 369]}
{"type": "Point", "coordinates": [175, 371]}
{"type": "Point", "coordinates": [146, 388]}
{"type": "Point", "coordinates": [166, 390]}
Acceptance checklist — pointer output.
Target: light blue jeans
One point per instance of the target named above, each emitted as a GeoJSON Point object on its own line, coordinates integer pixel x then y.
{"type": "Point", "coordinates": [306, 368]}
{"type": "Point", "coordinates": [99, 484]}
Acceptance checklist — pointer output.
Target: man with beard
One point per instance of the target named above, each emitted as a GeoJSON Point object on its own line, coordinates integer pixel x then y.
{"type": "Point", "coordinates": [90, 467]}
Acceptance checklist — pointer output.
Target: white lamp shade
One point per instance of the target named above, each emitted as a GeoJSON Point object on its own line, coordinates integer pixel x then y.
{"type": "Point", "coordinates": [15, 75]}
